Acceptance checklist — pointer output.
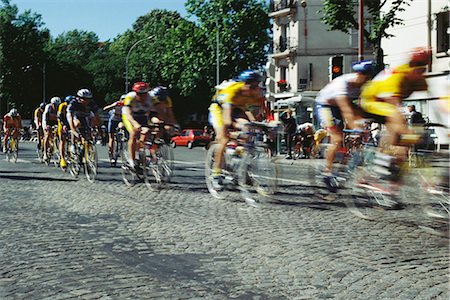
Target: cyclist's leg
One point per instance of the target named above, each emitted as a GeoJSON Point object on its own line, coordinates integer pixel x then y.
{"type": "Point", "coordinates": [132, 142]}
{"type": "Point", "coordinates": [221, 136]}
{"type": "Point", "coordinates": [5, 139]}
{"type": "Point", "coordinates": [62, 144]}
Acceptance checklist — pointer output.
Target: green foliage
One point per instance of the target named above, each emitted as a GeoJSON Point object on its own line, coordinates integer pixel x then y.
{"type": "Point", "coordinates": [342, 15]}
{"type": "Point", "coordinates": [244, 28]}
{"type": "Point", "coordinates": [180, 54]}
{"type": "Point", "coordinates": [21, 46]}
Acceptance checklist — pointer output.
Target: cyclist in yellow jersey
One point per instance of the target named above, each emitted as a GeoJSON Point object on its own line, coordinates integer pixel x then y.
{"type": "Point", "coordinates": [38, 123]}
{"type": "Point", "coordinates": [382, 97]}
{"type": "Point", "coordinates": [136, 113]}
{"type": "Point", "coordinates": [232, 107]}
{"type": "Point", "coordinates": [63, 126]}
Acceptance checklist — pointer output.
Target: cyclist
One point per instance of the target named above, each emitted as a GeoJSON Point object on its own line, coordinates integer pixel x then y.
{"type": "Point", "coordinates": [232, 106]}
{"type": "Point", "coordinates": [49, 119]}
{"type": "Point", "coordinates": [381, 98]}
{"type": "Point", "coordinates": [82, 115]}
{"type": "Point", "coordinates": [334, 105]}
{"type": "Point", "coordinates": [38, 112]}
{"type": "Point", "coordinates": [136, 113]}
{"type": "Point", "coordinates": [63, 125]}
{"type": "Point", "coordinates": [163, 106]}
{"type": "Point", "coordinates": [12, 123]}
{"type": "Point", "coordinates": [114, 119]}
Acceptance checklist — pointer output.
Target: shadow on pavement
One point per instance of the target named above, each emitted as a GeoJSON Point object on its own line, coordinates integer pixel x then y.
{"type": "Point", "coordinates": [26, 178]}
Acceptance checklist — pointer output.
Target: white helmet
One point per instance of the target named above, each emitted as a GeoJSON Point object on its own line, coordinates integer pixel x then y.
{"type": "Point", "coordinates": [123, 96]}
{"type": "Point", "coordinates": [55, 100]}
{"type": "Point", "coordinates": [84, 93]}
{"type": "Point", "coordinates": [13, 112]}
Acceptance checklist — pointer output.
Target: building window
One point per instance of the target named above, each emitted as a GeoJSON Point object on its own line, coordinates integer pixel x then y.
{"type": "Point", "coordinates": [283, 73]}
{"type": "Point", "coordinates": [442, 32]}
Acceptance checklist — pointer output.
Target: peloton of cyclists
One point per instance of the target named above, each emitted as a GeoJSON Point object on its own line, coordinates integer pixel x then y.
{"type": "Point", "coordinates": [12, 123]}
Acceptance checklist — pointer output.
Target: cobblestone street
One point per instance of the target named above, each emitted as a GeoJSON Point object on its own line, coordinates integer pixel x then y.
{"type": "Point", "coordinates": [65, 238]}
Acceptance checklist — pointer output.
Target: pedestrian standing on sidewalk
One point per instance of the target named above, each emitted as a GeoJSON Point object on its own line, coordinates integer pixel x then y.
{"type": "Point", "coordinates": [290, 126]}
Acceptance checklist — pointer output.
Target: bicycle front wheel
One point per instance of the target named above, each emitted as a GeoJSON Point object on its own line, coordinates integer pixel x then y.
{"type": "Point", "coordinates": [90, 162]}
{"type": "Point", "coordinates": [257, 177]}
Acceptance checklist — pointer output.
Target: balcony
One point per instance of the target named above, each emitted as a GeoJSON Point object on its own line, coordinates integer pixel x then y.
{"type": "Point", "coordinates": [281, 8]}
{"type": "Point", "coordinates": [285, 47]}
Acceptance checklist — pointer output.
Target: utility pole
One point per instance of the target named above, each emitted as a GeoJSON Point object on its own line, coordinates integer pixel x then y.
{"type": "Point", "coordinates": [217, 53]}
{"type": "Point", "coordinates": [361, 30]}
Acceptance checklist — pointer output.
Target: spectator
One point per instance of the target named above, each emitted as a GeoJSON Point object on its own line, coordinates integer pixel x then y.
{"type": "Point", "coordinates": [416, 117]}
{"type": "Point", "coordinates": [290, 127]}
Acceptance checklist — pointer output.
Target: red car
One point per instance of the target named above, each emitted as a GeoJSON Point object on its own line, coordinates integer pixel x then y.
{"type": "Point", "coordinates": [190, 138]}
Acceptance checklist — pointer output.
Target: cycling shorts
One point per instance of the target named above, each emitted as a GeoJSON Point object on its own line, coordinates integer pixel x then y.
{"type": "Point", "coordinates": [141, 119]}
{"type": "Point", "coordinates": [215, 116]}
{"type": "Point", "coordinates": [329, 117]}
{"type": "Point", "coordinates": [378, 110]}
{"type": "Point", "coordinates": [112, 125]}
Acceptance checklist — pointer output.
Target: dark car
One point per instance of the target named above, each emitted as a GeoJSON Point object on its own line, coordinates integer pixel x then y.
{"type": "Point", "coordinates": [190, 138]}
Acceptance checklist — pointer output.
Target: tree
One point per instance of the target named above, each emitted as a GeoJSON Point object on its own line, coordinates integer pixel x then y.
{"type": "Point", "coordinates": [22, 40]}
{"type": "Point", "coordinates": [341, 15]}
{"type": "Point", "coordinates": [244, 30]}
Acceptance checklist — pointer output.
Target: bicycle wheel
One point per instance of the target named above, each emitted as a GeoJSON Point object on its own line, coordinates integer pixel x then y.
{"type": "Point", "coordinates": [229, 182]}
{"type": "Point", "coordinates": [369, 192]}
{"type": "Point", "coordinates": [257, 177]}
{"type": "Point", "coordinates": [14, 150]}
{"type": "Point", "coordinates": [435, 196]}
{"type": "Point", "coordinates": [164, 156]}
{"type": "Point", "coordinates": [40, 152]}
{"type": "Point", "coordinates": [74, 161]}
{"type": "Point", "coordinates": [56, 154]}
{"type": "Point", "coordinates": [129, 176]}
{"type": "Point", "coordinates": [90, 162]}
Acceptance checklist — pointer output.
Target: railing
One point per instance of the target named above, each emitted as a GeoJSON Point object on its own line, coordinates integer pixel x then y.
{"type": "Point", "coordinates": [284, 44]}
{"type": "Point", "coordinates": [276, 5]}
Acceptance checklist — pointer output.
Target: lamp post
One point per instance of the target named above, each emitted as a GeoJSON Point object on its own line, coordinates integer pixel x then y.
{"type": "Point", "coordinates": [217, 53]}
{"type": "Point", "coordinates": [126, 60]}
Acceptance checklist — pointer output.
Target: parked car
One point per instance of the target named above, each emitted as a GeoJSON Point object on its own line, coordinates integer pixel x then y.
{"type": "Point", "coordinates": [190, 138]}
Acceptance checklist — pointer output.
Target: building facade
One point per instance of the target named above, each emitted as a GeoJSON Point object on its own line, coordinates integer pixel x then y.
{"type": "Point", "coordinates": [302, 47]}
{"type": "Point", "coordinates": [426, 24]}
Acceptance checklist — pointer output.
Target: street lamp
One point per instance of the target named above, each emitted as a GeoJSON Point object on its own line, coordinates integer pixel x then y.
{"type": "Point", "coordinates": [217, 53]}
{"type": "Point", "coordinates": [126, 60]}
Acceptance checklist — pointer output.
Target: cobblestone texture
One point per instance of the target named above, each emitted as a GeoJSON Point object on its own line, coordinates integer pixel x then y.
{"type": "Point", "coordinates": [62, 238]}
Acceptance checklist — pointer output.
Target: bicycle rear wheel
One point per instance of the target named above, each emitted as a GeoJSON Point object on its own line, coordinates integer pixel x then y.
{"type": "Point", "coordinates": [164, 156]}
{"type": "Point", "coordinates": [257, 177]}
{"type": "Point", "coordinates": [229, 177]}
{"type": "Point", "coordinates": [90, 162]}
{"type": "Point", "coordinates": [435, 196]}
{"type": "Point", "coordinates": [129, 176]}
{"type": "Point", "coordinates": [74, 163]}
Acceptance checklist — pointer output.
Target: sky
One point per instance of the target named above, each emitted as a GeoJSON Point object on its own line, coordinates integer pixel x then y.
{"type": "Point", "coordinates": [107, 18]}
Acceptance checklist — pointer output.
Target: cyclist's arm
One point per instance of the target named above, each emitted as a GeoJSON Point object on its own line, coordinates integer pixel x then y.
{"type": "Point", "coordinates": [346, 109]}
{"type": "Point", "coordinates": [250, 116]}
{"type": "Point", "coordinates": [111, 106]}
{"type": "Point", "coordinates": [19, 120]}
{"type": "Point", "coordinates": [70, 120]}
{"type": "Point", "coordinates": [46, 114]}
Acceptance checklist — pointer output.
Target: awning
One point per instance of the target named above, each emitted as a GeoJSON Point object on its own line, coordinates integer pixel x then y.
{"type": "Point", "coordinates": [290, 102]}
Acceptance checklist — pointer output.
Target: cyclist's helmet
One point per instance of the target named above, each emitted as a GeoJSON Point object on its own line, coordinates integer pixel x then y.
{"type": "Point", "coordinates": [13, 112]}
{"type": "Point", "coordinates": [85, 94]}
{"type": "Point", "coordinates": [141, 87]}
{"type": "Point", "coordinates": [55, 100]}
{"type": "Point", "coordinates": [69, 98]}
{"type": "Point", "coordinates": [420, 57]}
{"type": "Point", "coordinates": [365, 67]}
{"type": "Point", "coordinates": [161, 92]}
{"type": "Point", "coordinates": [42, 105]}
{"type": "Point", "coordinates": [249, 76]}
{"type": "Point", "coordinates": [123, 97]}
